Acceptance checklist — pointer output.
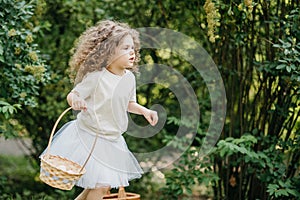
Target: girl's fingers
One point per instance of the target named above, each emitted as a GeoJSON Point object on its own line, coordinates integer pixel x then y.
{"type": "Point", "coordinates": [153, 118]}
{"type": "Point", "coordinates": [79, 105]}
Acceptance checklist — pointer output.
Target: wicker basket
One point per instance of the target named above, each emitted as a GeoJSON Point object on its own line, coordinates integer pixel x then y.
{"type": "Point", "coordinates": [57, 171]}
{"type": "Point", "coordinates": [53, 174]}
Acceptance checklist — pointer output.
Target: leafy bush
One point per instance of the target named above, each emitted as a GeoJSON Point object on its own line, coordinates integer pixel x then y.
{"type": "Point", "coordinates": [257, 156]}
{"type": "Point", "coordinates": [23, 69]}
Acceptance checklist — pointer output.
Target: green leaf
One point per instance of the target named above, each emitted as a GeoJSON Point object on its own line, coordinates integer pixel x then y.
{"type": "Point", "coordinates": [293, 67]}
{"type": "Point", "coordinates": [280, 40]}
{"type": "Point", "coordinates": [282, 61]}
{"type": "Point", "coordinates": [295, 193]}
{"type": "Point", "coordinates": [281, 66]}
{"type": "Point", "coordinates": [286, 45]}
{"type": "Point", "coordinates": [281, 183]}
{"type": "Point", "coordinates": [4, 109]}
{"type": "Point", "coordinates": [223, 152]}
{"type": "Point", "coordinates": [242, 150]}
{"type": "Point", "coordinates": [282, 192]}
{"type": "Point", "coordinates": [1, 50]}
{"type": "Point", "coordinates": [4, 103]}
{"type": "Point", "coordinates": [272, 188]}
{"type": "Point", "coordinates": [11, 110]}
{"type": "Point", "coordinates": [189, 190]}
{"type": "Point", "coordinates": [276, 45]}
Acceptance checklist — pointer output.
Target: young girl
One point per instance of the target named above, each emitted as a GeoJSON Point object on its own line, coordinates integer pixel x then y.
{"type": "Point", "coordinates": [104, 92]}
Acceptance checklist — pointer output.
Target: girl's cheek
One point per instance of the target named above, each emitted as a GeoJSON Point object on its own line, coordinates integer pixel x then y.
{"type": "Point", "coordinates": [124, 52]}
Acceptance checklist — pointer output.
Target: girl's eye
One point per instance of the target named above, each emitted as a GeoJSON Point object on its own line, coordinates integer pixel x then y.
{"type": "Point", "coordinates": [127, 47]}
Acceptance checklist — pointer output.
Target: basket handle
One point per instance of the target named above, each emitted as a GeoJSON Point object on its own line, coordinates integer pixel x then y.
{"type": "Point", "coordinates": [54, 127]}
{"type": "Point", "coordinates": [52, 133]}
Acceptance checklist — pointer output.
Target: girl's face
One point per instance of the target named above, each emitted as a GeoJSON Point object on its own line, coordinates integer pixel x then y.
{"type": "Point", "coordinates": [125, 55]}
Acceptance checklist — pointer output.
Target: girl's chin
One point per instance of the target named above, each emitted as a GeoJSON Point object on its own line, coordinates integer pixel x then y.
{"type": "Point", "coordinates": [130, 65]}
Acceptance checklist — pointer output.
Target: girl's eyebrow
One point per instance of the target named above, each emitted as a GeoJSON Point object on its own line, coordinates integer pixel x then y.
{"type": "Point", "coordinates": [128, 45]}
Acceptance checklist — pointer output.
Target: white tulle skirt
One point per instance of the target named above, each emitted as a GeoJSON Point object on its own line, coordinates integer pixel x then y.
{"type": "Point", "coordinates": [110, 165]}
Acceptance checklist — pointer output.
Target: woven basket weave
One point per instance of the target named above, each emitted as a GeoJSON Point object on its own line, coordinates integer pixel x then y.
{"type": "Point", "coordinates": [54, 175]}
{"type": "Point", "coordinates": [57, 171]}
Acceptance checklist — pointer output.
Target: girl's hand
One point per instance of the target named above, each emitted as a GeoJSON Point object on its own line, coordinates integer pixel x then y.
{"type": "Point", "coordinates": [79, 104]}
{"type": "Point", "coordinates": [76, 102]}
{"type": "Point", "coordinates": [151, 116]}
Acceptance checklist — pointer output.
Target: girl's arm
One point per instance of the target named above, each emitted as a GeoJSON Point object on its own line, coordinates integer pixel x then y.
{"type": "Point", "coordinates": [76, 102]}
{"type": "Point", "coordinates": [150, 115]}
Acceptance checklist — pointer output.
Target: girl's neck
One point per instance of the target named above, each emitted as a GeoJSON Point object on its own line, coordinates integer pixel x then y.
{"type": "Point", "coordinates": [118, 72]}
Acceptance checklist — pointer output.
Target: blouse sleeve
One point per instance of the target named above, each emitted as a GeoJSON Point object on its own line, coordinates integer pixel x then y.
{"type": "Point", "coordinates": [133, 92]}
{"type": "Point", "coordinates": [85, 87]}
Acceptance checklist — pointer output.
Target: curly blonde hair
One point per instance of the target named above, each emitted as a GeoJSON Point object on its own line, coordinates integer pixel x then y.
{"type": "Point", "coordinates": [97, 44]}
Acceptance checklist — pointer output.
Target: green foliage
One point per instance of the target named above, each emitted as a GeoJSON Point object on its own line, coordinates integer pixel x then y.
{"type": "Point", "coordinates": [287, 63]}
{"type": "Point", "coordinates": [7, 109]}
{"type": "Point", "coordinates": [190, 170]}
{"type": "Point", "coordinates": [289, 58]}
{"type": "Point", "coordinates": [282, 190]}
{"type": "Point", "coordinates": [242, 146]}
{"type": "Point", "coordinates": [268, 165]}
{"type": "Point", "coordinates": [23, 70]}
{"type": "Point", "coordinates": [256, 158]}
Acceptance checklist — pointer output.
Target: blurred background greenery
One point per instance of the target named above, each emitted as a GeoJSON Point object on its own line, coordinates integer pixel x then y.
{"type": "Point", "coordinates": [254, 43]}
